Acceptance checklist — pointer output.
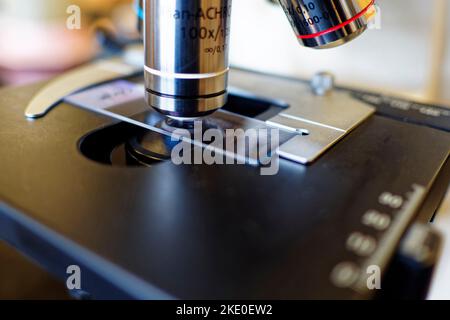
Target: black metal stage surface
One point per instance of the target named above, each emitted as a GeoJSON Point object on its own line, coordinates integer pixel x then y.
{"type": "Point", "coordinates": [206, 232]}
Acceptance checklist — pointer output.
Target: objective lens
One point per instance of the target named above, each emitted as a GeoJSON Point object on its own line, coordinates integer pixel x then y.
{"type": "Point", "coordinates": [186, 55]}
{"type": "Point", "coordinates": [187, 43]}
{"type": "Point", "coordinates": [328, 23]}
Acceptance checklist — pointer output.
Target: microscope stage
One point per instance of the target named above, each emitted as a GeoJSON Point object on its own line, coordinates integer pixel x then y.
{"type": "Point", "coordinates": [80, 188]}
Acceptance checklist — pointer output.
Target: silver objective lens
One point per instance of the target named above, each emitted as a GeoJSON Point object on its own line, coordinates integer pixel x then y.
{"type": "Point", "coordinates": [186, 46]}
{"type": "Point", "coordinates": [186, 55]}
{"type": "Point", "coordinates": [321, 24]}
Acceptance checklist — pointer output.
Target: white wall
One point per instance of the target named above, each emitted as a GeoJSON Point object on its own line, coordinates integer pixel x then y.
{"type": "Point", "coordinates": [398, 58]}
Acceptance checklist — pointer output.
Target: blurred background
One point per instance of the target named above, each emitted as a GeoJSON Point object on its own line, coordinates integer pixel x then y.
{"type": "Point", "coordinates": [35, 42]}
{"type": "Point", "coordinates": [408, 56]}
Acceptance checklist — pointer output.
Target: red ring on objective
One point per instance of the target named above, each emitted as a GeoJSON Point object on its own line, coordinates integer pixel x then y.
{"type": "Point", "coordinates": [339, 26]}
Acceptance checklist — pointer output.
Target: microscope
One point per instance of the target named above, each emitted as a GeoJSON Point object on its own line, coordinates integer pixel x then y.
{"type": "Point", "coordinates": [92, 181]}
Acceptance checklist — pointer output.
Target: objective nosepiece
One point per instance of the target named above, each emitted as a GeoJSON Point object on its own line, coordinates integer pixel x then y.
{"type": "Point", "coordinates": [186, 56]}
